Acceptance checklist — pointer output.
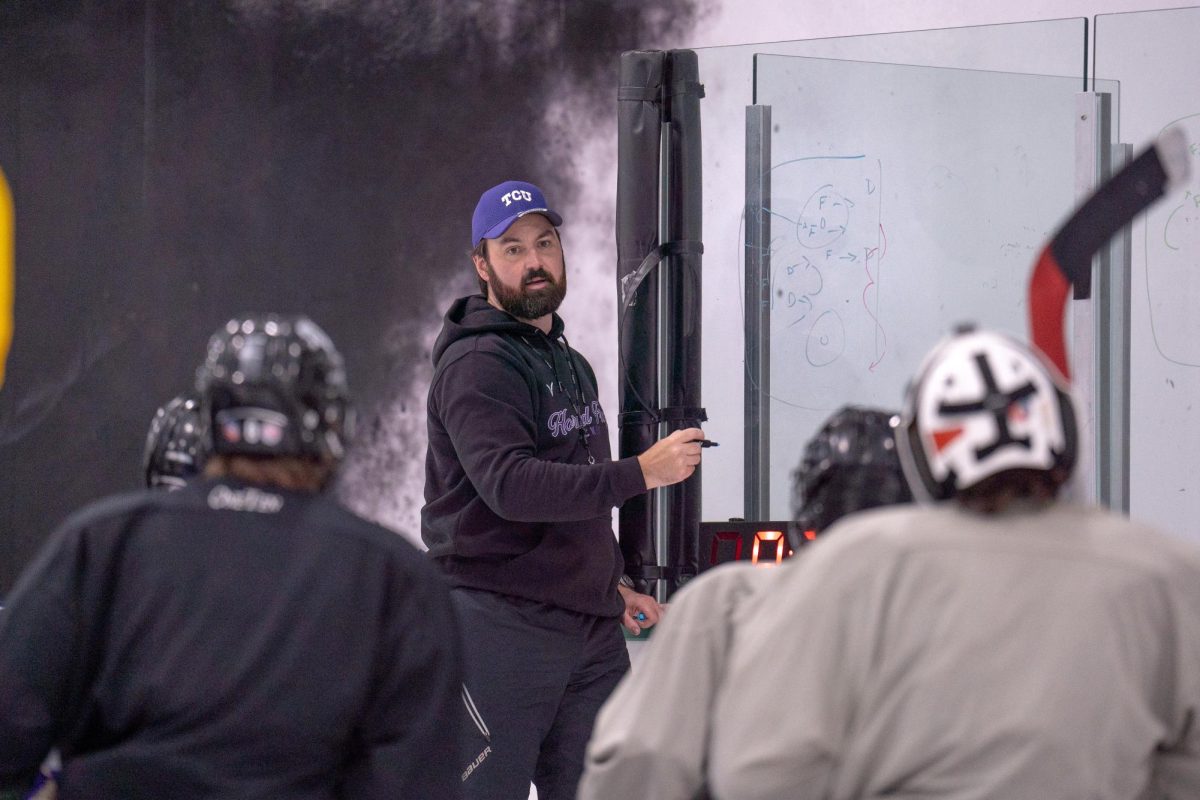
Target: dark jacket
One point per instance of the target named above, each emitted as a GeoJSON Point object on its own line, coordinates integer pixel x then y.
{"type": "Point", "coordinates": [226, 641]}
{"type": "Point", "coordinates": [512, 504]}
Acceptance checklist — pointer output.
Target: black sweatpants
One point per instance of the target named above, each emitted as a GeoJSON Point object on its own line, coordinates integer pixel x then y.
{"type": "Point", "coordinates": [538, 675]}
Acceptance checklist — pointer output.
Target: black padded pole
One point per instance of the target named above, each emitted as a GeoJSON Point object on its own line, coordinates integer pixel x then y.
{"type": "Point", "coordinates": [638, 135]}
{"type": "Point", "coordinates": [682, 223]}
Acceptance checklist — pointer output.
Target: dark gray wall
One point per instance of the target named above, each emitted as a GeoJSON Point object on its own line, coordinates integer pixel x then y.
{"type": "Point", "coordinates": [174, 163]}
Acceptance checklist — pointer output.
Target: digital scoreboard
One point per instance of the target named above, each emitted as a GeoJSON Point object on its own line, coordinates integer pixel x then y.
{"type": "Point", "coordinates": [764, 544]}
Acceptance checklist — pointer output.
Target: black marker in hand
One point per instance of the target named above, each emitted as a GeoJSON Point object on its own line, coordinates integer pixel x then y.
{"type": "Point", "coordinates": [707, 443]}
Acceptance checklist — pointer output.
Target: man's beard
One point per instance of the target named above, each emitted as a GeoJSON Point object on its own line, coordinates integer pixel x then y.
{"type": "Point", "coordinates": [525, 304]}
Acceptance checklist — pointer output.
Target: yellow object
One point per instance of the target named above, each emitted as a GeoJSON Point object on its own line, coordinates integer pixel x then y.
{"type": "Point", "coordinates": [6, 272]}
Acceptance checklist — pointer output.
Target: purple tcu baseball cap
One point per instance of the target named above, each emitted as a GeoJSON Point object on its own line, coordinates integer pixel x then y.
{"type": "Point", "coordinates": [501, 206]}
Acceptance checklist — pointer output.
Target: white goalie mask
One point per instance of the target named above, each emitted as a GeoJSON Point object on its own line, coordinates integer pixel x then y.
{"type": "Point", "coordinates": [983, 403]}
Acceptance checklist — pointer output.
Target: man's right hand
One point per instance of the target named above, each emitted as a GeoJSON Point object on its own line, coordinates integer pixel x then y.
{"type": "Point", "coordinates": [672, 459]}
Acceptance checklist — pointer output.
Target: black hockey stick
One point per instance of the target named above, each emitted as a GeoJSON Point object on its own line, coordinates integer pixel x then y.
{"type": "Point", "coordinates": [1067, 259]}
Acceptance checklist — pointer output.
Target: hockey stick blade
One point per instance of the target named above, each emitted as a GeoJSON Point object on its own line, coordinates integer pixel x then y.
{"type": "Point", "coordinates": [1067, 259]}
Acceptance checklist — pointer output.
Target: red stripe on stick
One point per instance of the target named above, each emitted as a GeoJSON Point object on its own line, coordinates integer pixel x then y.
{"type": "Point", "coordinates": [1048, 290]}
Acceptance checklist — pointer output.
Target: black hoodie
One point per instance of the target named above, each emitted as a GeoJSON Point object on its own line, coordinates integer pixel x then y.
{"type": "Point", "coordinates": [512, 504]}
{"type": "Point", "coordinates": [230, 641]}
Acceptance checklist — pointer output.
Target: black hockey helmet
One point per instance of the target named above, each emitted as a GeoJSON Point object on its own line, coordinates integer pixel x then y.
{"type": "Point", "coordinates": [177, 444]}
{"type": "Point", "coordinates": [275, 385]}
{"type": "Point", "coordinates": [849, 465]}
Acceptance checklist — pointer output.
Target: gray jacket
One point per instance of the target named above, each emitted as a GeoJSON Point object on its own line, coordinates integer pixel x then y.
{"type": "Point", "coordinates": [651, 737]}
{"type": "Point", "coordinates": [933, 652]}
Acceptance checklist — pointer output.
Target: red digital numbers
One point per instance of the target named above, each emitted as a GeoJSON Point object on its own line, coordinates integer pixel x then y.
{"type": "Point", "coordinates": [720, 547]}
{"type": "Point", "coordinates": [764, 543]}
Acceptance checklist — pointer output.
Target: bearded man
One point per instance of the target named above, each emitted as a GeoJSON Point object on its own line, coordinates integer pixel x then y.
{"type": "Point", "coordinates": [519, 491]}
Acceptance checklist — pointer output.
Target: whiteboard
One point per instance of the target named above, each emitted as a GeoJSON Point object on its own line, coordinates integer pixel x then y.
{"type": "Point", "coordinates": [1154, 56]}
{"type": "Point", "coordinates": [904, 200]}
{"type": "Point", "coordinates": [1056, 47]}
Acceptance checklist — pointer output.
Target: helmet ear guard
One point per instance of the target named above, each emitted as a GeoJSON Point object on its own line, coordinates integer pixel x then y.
{"type": "Point", "coordinates": [981, 404]}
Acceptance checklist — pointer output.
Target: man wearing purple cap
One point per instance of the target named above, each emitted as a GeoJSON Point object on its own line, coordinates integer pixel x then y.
{"type": "Point", "coordinates": [519, 491]}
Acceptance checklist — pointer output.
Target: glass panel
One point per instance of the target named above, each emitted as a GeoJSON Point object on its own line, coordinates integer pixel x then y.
{"type": "Point", "coordinates": [904, 200]}
{"type": "Point", "coordinates": [1154, 56]}
{"type": "Point", "coordinates": [1055, 47]}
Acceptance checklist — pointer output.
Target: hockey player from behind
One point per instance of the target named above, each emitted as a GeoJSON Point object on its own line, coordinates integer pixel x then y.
{"type": "Point", "coordinates": [174, 454]}
{"type": "Point", "coordinates": [651, 735]}
{"type": "Point", "coordinates": [244, 636]}
{"type": "Point", "coordinates": [998, 644]}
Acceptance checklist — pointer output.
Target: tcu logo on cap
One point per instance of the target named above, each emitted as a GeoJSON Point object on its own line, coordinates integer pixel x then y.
{"type": "Point", "coordinates": [517, 194]}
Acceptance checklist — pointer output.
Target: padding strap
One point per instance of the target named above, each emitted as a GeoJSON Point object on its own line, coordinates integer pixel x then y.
{"type": "Point", "coordinates": [651, 573]}
{"type": "Point", "coordinates": [656, 94]}
{"type": "Point", "coordinates": [685, 88]}
{"type": "Point", "coordinates": [668, 414]}
{"type": "Point", "coordinates": [649, 94]}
